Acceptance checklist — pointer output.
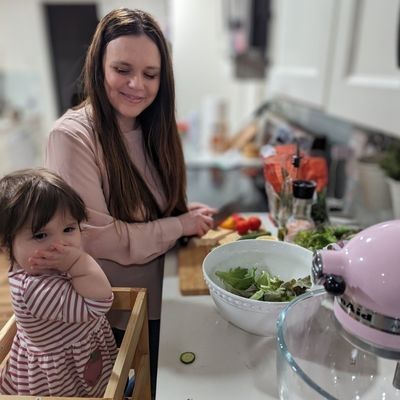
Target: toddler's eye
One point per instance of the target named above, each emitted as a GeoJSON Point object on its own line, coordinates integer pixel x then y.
{"type": "Point", "coordinates": [69, 229]}
{"type": "Point", "coordinates": [39, 236]}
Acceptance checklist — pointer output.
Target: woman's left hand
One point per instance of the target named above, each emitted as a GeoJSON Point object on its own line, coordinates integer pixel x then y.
{"type": "Point", "coordinates": [204, 207]}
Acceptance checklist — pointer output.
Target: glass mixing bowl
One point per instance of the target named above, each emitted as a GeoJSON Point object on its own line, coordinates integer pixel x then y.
{"type": "Point", "coordinates": [315, 361]}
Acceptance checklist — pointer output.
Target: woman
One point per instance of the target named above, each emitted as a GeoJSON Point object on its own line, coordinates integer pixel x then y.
{"type": "Point", "coordinates": [121, 152]}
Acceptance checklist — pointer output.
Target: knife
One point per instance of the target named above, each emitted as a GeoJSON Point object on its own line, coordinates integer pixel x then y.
{"type": "Point", "coordinates": [225, 211]}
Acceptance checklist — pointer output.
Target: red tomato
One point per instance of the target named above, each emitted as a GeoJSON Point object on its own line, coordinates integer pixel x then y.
{"type": "Point", "coordinates": [254, 223]}
{"type": "Point", "coordinates": [242, 227]}
{"type": "Point", "coordinates": [237, 217]}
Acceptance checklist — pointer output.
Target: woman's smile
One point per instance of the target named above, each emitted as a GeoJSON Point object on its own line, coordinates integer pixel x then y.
{"type": "Point", "coordinates": [132, 98]}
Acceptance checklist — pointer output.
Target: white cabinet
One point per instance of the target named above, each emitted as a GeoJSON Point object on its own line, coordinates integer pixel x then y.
{"type": "Point", "coordinates": [365, 81]}
{"type": "Point", "coordinates": [301, 56]}
{"type": "Point", "coordinates": [340, 56]}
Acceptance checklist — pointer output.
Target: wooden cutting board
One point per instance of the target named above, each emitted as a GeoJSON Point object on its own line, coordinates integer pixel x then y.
{"type": "Point", "coordinates": [190, 260]}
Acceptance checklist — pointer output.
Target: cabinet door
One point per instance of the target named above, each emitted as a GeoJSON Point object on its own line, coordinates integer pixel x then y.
{"type": "Point", "coordinates": [365, 85]}
{"type": "Point", "coordinates": [302, 41]}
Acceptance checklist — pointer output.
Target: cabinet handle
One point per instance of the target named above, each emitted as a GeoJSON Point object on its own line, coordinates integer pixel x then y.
{"type": "Point", "coordinates": [398, 41]}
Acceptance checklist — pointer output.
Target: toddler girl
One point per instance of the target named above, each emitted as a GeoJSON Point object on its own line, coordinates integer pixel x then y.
{"type": "Point", "coordinates": [64, 345]}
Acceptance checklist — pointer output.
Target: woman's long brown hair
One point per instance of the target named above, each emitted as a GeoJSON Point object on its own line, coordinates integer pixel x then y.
{"type": "Point", "coordinates": [129, 193]}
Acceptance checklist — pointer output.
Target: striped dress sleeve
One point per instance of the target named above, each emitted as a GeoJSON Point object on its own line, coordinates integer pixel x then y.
{"type": "Point", "coordinates": [53, 298]}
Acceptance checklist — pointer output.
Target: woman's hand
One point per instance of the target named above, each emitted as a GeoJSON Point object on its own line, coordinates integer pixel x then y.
{"type": "Point", "coordinates": [197, 206]}
{"type": "Point", "coordinates": [197, 221]}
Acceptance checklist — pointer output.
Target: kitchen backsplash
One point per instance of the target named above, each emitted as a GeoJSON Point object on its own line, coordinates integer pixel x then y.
{"type": "Point", "coordinates": [353, 183]}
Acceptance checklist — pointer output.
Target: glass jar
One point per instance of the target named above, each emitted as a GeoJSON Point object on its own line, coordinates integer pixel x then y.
{"type": "Point", "coordinates": [300, 219]}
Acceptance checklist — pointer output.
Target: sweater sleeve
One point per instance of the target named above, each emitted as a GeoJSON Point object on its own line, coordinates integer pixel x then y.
{"type": "Point", "coordinates": [72, 155]}
{"type": "Point", "coordinates": [53, 298]}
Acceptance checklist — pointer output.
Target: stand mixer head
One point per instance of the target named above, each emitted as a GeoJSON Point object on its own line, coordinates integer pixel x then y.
{"type": "Point", "coordinates": [364, 277]}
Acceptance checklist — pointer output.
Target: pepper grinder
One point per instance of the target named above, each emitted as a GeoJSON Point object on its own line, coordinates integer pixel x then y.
{"type": "Point", "coordinates": [300, 219]}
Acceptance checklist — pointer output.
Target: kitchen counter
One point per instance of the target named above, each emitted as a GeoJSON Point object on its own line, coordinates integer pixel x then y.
{"type": "Point", "coordinates": [230, 363]}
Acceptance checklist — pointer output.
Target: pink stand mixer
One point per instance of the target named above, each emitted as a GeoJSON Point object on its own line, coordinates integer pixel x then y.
{"type": "Point", "coordinates": [364, 277]}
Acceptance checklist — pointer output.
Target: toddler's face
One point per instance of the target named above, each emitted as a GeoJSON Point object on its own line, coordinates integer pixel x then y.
{"type": "Point", "coordinates": [62, 228]}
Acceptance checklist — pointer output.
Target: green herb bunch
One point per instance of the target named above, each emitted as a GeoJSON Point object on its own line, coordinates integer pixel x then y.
{"type": "Point", "coordinates": [390, 162]}
{"type": "Point", "coordinates": [320, 237]}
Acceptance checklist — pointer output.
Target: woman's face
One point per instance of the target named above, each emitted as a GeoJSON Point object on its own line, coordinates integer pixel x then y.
{"type": "Point", "coordinates": [132, 67]}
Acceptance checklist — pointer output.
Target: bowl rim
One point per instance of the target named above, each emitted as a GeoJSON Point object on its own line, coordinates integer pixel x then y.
{"type": "Point", "coordinates": [216, 287]}
{"type": "Point", "coordinates": [283, 349]}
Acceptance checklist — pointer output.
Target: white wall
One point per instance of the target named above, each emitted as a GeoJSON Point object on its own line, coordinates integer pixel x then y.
{"type": "Point", "coordinates": [203, 69]}
{"type": "Point", "coordinates": [24, 51]}
{"type": "Point", "coordinates": [158, 8]}
{"type": "Point", "coordinates": [25, 57]}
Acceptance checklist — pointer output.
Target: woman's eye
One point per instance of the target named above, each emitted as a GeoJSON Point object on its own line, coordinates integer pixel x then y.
{"type": "Point", "coordinates": [69, 229]}
{"type": "Point", "coordinates": [39, 236]}
{"type": "Point", "coordinates": [121, 71]}
{"type": "Point", "coordinates": [148, 76]}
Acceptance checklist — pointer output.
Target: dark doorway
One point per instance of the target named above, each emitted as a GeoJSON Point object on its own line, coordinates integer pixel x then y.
{"type": "Point", "coordinates": [70, 29]}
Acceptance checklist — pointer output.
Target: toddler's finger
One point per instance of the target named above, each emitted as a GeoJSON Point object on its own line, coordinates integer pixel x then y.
{"type": "Point", "coordinates": [37, 263]}
{"type": "Point", "coordinates": [60, 247]}
{"type": "Point", "coordinates": [49, 255]}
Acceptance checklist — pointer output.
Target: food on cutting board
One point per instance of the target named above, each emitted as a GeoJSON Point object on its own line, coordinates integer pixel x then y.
{"type": "Point", "coordinates": [235, 227]}
{"type": "Point", "coordinates": [261, 285]}
{"type": "Point", "coordinates": [228, 223]}
{"type": "Point", "coordinates": [254, 234]}
{"type": "Point", "coordinates": [254, 223]}
{"type": "Point", "coordinates": [212, 237]}
{"type": "Point", "coordinates": [240, 224]}
{"type": "Point", "coordinates": [244, 228]}
{"type": "Point", "coordinates": [232, 237]}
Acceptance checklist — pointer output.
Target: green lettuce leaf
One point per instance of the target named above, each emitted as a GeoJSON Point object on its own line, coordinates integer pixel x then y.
{"type": "Point", "coordinates": [261, 285]}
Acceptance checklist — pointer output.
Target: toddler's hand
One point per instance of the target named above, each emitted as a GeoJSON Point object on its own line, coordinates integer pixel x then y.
{"type": "Point", "coordinates": [59, 256]}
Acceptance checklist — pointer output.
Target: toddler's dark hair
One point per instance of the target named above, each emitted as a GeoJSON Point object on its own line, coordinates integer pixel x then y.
{"type": "Point", "coordinates": [33, 196]}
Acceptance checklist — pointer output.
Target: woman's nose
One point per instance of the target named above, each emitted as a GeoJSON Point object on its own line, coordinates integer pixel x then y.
{"type": "Point", "coordinates": [135, 82]}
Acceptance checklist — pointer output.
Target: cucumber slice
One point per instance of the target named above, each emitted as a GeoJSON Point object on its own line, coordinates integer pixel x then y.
{"type": "Point", "coordinates": [187, 357]}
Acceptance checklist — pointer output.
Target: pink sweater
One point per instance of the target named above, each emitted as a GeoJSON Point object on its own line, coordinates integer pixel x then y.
{"type": "Point", "coordinates": [131, 254]}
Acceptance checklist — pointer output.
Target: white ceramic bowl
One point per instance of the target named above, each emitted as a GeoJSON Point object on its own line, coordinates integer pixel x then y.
{"type": "Point", "coordinates": [280, 258]}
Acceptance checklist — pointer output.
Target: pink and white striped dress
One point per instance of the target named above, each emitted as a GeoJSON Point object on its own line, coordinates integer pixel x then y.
{"type": "Point", "coordinates": [64, 345]}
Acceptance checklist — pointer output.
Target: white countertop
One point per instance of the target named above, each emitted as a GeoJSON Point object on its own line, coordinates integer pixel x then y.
{"type": "Point", "coordinates": [230, 363]}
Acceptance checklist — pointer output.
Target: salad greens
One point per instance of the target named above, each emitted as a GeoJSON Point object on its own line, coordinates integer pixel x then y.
{"type": "Point", "coordinates": [249, 283]}
{"type": "Point", "coordinates": [315, 239]}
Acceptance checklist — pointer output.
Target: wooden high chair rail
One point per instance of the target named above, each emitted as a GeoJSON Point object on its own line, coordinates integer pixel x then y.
{"type": "Point", "coordinates": [133, 353]}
